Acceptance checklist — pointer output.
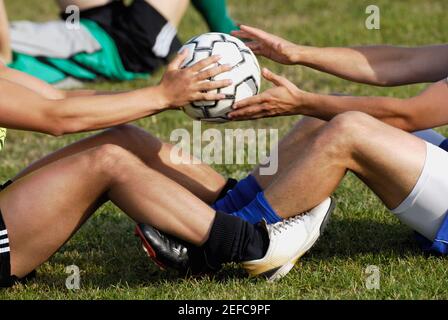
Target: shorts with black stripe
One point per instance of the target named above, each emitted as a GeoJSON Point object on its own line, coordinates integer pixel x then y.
{"type": "Point", "coordinates": [6, 279]}
{"type": "Point", "coordinates": [5, 266]}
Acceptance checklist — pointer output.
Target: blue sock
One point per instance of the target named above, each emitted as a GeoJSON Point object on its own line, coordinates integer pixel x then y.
{"type": "Point", "coordinates": [257, 210]}
{"type": "Point", "coordinates": [240, 196]}
{"type": "Point", "coordinates": [444, 145]}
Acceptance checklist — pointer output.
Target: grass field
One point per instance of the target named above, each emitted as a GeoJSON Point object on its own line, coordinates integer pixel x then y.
{"type": "Point", "coordinates": [361, 233]}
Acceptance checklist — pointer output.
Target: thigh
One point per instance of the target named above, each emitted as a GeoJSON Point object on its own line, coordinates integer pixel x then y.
{"type": "Point", "coordinates": [172, 10]}
{"type": "Point", "coordinates": [389, 160]}
{"type": "Point", "coordinates": [201, 179]}
{"type": "Point", "coordinates": [289, 147]}
{"type": "Point", "coordinates": [43, 209]}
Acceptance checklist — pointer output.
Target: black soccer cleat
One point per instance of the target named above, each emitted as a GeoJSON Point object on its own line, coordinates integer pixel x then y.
{"type": "Point", "coordinates": [169, 252]}
{"type": "Point", "coordinates": [165, 251]}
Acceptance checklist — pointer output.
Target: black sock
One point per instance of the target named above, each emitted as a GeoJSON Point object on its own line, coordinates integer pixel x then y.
{"type": "Point", "coordinates": [234, 240]}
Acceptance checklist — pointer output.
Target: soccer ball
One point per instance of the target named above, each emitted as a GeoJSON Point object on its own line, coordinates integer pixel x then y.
{"type": "Point", "coordinates": [245, 74]}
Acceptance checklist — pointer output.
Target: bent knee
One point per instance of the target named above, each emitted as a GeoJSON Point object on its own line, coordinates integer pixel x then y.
{"type": "Point", "coordinates": [350, 125]}
{"type": "Point", "coordinates": [134, 139]}
{"type": "Point", "coordinates": [341, 133]}
{"type": "Point", "coordinates": [351, 120]}
{"type": "Point", "coordinates": [108, 156]}
{"type": "Point", "coordinates": [309, 124]}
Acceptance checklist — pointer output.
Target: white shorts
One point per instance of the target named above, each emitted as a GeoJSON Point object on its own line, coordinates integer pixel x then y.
{"type": "Point", "coordinates": [425, 207]}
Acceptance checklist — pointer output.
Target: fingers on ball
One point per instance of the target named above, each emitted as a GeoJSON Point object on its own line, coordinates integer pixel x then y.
{"type": "Point", "coordinates": [206, 74]}
{"type": "Point", "coordinates": [209, 96]}
{"type": "Point", "coordinates": [204, 63]}
{"type": "Point", "coordinates": [210, 85]}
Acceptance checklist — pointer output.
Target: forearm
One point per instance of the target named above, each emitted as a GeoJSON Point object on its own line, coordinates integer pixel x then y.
{"type": "Point", "coordinates": [378, 65]}
{"type": "Point", "coordinates": [92, 112]}
{"type": "Point", "coordinates": [88, 93]}
{"type": "Point", "coordinates": [389, 110]}
{"type": "Point", "coordinates": [426, 110]}
{"type": "Point", "coordinates": [5, 44]}
{"type": "Point", "coordinates": [24, 109]}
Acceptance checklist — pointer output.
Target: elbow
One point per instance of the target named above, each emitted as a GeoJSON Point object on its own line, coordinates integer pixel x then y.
{"type": "Point", "coordinates": [55, 132]}
{"type": "Point", "coordinates": [401, 114]}
{"type": "Point", "coordinates": [407, 121]}
{"type": "Point", "coordinates": [55, 129]}
{"type": "Point", "coordinates": [58, 125]}
{"type": "Point", "coordinates": [65, 126]}
{"type": "Point", "coordinates": [384, 81]}
{"type": "Point", "coordinates": [405, 125]}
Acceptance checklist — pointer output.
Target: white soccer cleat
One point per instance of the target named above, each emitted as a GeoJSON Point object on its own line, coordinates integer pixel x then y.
{"type": "Point", "coordinates": [289, 240]}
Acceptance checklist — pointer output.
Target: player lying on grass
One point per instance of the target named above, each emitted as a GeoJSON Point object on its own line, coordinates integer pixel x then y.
{"type": "Point", "coordinates": [51, 199]}
{"type": "Point", "coordinates": [115, 40]}
{"type": "Point", "coordinates": [365, 135]}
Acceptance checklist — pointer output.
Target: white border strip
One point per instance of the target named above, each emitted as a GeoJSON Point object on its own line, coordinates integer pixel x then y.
{"type": "Point", "coordinates": [164, 40]}
{"type": "Point", "coordinates": [4, 250]}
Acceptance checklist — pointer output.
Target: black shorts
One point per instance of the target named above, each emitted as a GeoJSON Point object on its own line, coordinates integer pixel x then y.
{"type": "Point", "coordinates": [6, 279]}
{"type": "Point", "coordinates": [144, 38]}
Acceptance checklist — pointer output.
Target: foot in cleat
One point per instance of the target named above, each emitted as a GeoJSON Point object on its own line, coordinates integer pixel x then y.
{"type": "Point", "coordinates": [289, 240]}
{"type": "Point", "coordinates": [169, 252]}
{"type": "Point", "coordinates": [165, 251]}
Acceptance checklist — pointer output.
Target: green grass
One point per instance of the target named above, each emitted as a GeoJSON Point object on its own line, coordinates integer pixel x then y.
{"type": "Point", "coordinates": [361, 233]}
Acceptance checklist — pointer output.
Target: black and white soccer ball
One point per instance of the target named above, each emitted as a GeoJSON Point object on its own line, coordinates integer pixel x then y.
{"type": "Point", "coordinates": [245, 73]}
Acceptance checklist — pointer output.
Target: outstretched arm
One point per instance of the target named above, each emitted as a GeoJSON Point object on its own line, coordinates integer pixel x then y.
{"type": "Point", "coordinates": [379, 65]}
{"type": "Point", "coordinates": [376, 65]}
{"type": "Point", "coordinates": [23, 108]}
{"type": "Point", "coordinates": [427, 110]}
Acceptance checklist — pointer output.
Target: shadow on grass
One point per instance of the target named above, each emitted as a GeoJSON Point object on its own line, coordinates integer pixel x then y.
{"type": "Point", "coordinates": [352, 237]}
{"type": "Point", "coordinates": [113, 258]}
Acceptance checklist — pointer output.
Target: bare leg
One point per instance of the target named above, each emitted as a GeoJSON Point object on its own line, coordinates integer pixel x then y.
{"type": "Point", "coordinates": [290, 147]}
{"type": "Point", "coordinates": [43, 209]}
{"type": "Point", "coordinates": [172, 10]}
{"type": "Point", "coordinates": [387, 159]}
{"type": "Point", "coordinates": [200, 179]}
{"type": "Point", "coordinates": [82, 4]}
